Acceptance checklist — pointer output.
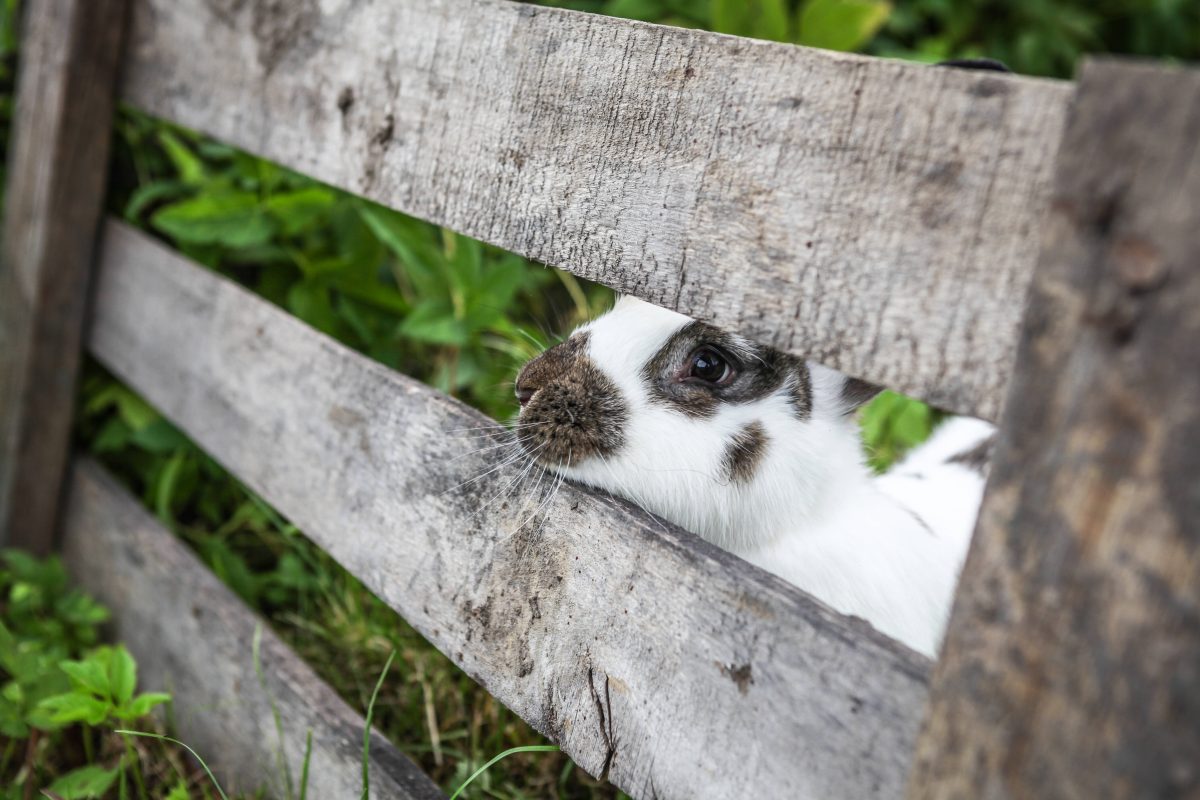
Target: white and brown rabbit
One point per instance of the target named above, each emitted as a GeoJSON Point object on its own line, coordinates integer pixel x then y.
{"type": "Point", "coordinates": [756, 451]}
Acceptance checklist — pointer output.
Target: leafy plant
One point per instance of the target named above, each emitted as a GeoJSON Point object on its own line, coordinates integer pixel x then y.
{"type": "Point", "coordinates": [62, 695]}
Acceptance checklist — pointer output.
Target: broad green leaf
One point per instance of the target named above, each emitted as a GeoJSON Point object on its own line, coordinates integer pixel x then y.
{"type": "Point", "coordinates": [761, 19]}
{"type": "Point", "coordinates": [232, 219]}
{"type": "Point", "coordinates": [122, 674]}
{"type": "Point", "coordinates": [75, 707]}
{"type": "Point", "coordinates": [159, 437]}
{"type": "Point", "coordinates": [841, 24]}
{"type": "Point", "coordinates": [434, 323]}
{"type": "Point", "coordinates": [89, 674]}
{"type": "Point", "coordinates": [142, 705]}
{"type": "Point", "coordinates": [296, 210]}
{"type": "Point", "coordinates": [85, 782]}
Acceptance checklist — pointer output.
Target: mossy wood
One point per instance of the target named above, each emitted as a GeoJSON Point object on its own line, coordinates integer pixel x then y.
{"type": "Point", "coordinates": [879, 216]}
{"type": "Point", "coordinates": [668, 664]}
{"type": "Point", "coordinates": [194, 638]}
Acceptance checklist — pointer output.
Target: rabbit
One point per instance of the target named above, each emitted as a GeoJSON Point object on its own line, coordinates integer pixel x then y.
{"type": "Point", "coordinates": [753, 449]}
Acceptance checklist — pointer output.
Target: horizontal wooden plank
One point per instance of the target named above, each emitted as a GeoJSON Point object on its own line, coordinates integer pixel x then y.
{"type": "Point", "coordinates": [193, 637]}
{"type": "Point", "coordinates": [878, 216]}
{"type": "Point", "coordinates": [675, 667]}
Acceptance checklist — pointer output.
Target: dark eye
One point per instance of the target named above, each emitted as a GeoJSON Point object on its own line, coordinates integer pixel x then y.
{"type": "Point", "coordinates": [710, 365]}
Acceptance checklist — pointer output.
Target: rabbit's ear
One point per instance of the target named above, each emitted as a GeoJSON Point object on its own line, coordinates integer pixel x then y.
{"type": "Point", "coordinates": [857, 392]}
{"type": "Point", "coordinates": [836, 394]}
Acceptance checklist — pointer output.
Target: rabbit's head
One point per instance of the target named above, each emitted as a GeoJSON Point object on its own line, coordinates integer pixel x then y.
{"type": "Point", "coordinates": [730, 439]}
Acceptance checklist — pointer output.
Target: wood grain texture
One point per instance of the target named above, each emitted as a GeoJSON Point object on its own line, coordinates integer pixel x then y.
{"type": "Point", "coordinates": [878, 216]}
{"type": "Point", "coordinates": [193, 637]}
{"type": "Point", "coordinates": [1072, 664]}
{"type": "Point", "coordinates": [55, 191]}
{"type": "Point", "coordinates": [675, 667]}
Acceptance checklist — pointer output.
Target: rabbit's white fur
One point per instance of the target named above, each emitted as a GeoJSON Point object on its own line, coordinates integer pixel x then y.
{"type": "Point", "coordinates": [812, 512]}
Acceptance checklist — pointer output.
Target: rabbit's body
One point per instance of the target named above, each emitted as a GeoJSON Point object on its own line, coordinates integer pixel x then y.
{"type": "Point", "coordinates": [755, 450]}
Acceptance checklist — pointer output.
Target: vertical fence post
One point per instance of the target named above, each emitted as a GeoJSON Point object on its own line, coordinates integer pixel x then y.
{"type": "Point", "coordinates": [1072, 665]}
{"type": "Point", "coordinates": [57, 169]}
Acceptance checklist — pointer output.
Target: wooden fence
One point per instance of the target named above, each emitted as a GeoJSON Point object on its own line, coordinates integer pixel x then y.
{"type": "Point", "coordinates": [889, 219]}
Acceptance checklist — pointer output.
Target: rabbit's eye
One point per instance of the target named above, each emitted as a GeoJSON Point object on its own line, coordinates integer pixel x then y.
{"type": "Point", "coordinates": [710, 365]}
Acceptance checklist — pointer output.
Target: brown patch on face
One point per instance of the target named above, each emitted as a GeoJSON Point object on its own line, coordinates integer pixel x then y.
{"type": "Point", "coordinates": [574, 411]}
{"type": "Point", "coordinates": [744, 452]}
{"type": "Point", "coordinates": [856, 392]}
{"type": "Point", "coordinates": [760, 372]}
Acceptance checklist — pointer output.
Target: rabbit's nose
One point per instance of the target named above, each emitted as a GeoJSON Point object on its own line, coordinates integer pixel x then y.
{"type": "Point", "coordinates": [524, 395]}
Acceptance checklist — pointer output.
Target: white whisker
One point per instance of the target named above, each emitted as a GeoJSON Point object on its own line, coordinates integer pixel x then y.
{"type": "Point", "coordinates": [508, 486]}
{"type": "Point", "coordinates": [503, 463]}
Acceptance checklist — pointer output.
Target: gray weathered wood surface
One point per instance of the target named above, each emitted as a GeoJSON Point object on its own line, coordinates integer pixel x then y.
{"type": "Point", "coordinates": [1072, 665]}
{"type": "Point", "coordinates": [879, 216]}
{"type": "Point", "coordinates": [59, 159]}
{"type": "Point", "coordinates": [677, 668]}
{"type": "Point", "coordinates": [193, 637]}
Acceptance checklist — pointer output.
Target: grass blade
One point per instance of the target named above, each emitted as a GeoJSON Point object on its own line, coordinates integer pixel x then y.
{"type": "Point", "coordinates": [304, 769]}
{"type": "Point", "coordinates": [195, 755]}
{"type": "Point", "coordinates": [529, 748]}
{"type": "Point", "coordinates": [366, 757]}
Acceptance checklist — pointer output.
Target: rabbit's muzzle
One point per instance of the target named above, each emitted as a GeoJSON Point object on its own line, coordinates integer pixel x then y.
{"type": "Point", "coordinates": [570, 410]}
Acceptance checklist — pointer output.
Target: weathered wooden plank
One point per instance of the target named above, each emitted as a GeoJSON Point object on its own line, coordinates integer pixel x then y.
{"type": "Point", "coordinates": [193, 637]}
{"type": "Point", "coordinates": [878, 216]}
{"type": "Point", "coordinates": [1072, 664]}
{"type": "Point", "coordinates": [645, 652]}
{"type": "Point", "coordinates": [59, 159]}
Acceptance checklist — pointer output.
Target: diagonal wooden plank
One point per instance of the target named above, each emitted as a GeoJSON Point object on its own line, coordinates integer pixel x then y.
{"type": "Point", "coordinates": [878, 216]}
{"type": "Point", "coordinates": [55, 192]}
{"type": "Point", "coordinates": [1071, 667]}
{"type": "Point", "coordinates": [193, 637]}
{"type": "Point", "coordinates": [672, 666]}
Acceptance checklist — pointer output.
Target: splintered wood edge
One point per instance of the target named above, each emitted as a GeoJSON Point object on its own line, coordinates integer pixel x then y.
{"type": "Point", "coordinates": [670, 665]}
{"type": "Point", "coordinates": [878, 216]}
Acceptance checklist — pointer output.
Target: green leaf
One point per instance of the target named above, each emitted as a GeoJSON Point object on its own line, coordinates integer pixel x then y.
{"type": "Point", "coordinates": [142, 705]}
{"type": "Point", "coordinates": [232, 219]}
{"type": "Point", "coordinates": [75, 707]}
{"type": "Point", "coordinates": [761, 19]}
{"type": "Point", "coordinates": [433, 322]}
{"type": "Point", "coordinates": [90, 781]}
{"type": "Point", "coordinates": [188, 164]}
{"type": "Point", "coordinates": [159, 437]}
{"type": "Point", "coordinates": [296, 210]}
{"type": "Point", "coordinates": [122, 674]}
{"type": "Point", "coordinates": [841, 24]}
{"type": "Point", "coordinates": [148, 194]}
{"type": "Point", "coordinates": [89, 674]}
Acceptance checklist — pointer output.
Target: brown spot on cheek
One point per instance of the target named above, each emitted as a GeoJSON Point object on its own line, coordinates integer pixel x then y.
{"type": "Point", "coordinates": [744, 453]}
{"type": "Point", "coordinates": [576, 412]}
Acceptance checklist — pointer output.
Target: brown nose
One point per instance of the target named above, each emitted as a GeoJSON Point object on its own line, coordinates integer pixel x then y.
{"type": "Point", "coordinates": [547, 368]}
